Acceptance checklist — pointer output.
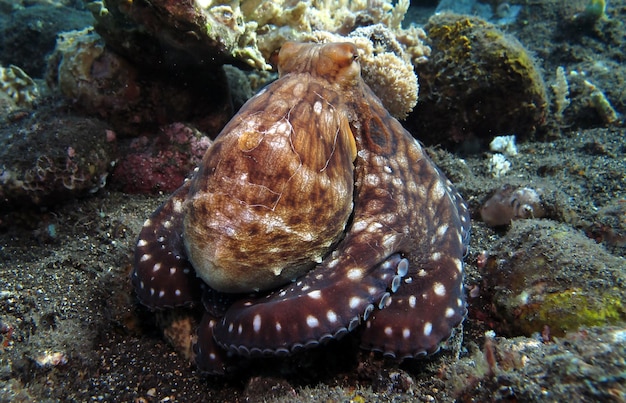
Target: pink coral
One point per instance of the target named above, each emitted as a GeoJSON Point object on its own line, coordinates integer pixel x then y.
{"type": "Point", "coordinates": [161, 164]}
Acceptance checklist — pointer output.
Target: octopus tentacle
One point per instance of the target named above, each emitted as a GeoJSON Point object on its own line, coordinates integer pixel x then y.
{"type": "Point", "coordinates": [209, 356]}
{"type": "Point", "coordinates": [317, 308]}
{"type": "Point", "coordinates": [398, 331]}
{"type": "Point", "coordinates": [162, 275]}
{"type": "Point", "coordinates": [430, 302]}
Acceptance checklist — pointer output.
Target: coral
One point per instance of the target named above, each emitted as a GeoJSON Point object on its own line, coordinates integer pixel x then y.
{"type": "Point", "coordinates": [47, 158]}
{"type": "Point", "coordinates": [594, 11]}
{"type": "Point", "coordinates": [512, 203]}
{"type": "Point", "coordinates": [246, 33]}
{"type": "Point", "coordinates": [477, 82]}
{"type": "Point", "coordinates": [590, 104]}
{"type": "Point", "coordinates": [99, 82]}
{"type": "Point", "coordinates": [575, 308]}
{"type": "Point", "coordinates": [162, 163]}
{"type": "Point", "coordinates": [560, 87]}
{"type": "Point", "coordinates": [18, 85]}
{"type": "Point", "coordinates": [192, 36]}
{"type": "Point", "coordinates": [602, 105]}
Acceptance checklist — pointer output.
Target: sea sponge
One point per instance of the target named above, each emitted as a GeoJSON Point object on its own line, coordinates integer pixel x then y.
{"type": "Point", "coordinates": [385, 65]}
{"type": "Point", "coordinates": [478, 82]}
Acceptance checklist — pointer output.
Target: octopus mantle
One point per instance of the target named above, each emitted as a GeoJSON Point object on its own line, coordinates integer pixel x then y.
{"type": "Point", "coordinates": [313, 214]}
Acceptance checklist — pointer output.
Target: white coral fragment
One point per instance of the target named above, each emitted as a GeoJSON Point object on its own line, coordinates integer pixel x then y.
{"type": "Point", "coordinates": [504, 144]}
{"type": "Point", "coordinates": [498, 165]}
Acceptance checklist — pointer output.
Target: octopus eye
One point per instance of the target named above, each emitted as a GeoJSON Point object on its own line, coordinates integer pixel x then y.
{"type": "Point", "coordinates": [342, 54]}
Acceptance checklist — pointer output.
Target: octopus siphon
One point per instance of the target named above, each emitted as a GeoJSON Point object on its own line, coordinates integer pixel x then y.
{"type": "Point", "coordinates": [313, 214]}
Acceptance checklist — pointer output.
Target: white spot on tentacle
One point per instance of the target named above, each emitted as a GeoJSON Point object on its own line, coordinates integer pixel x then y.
{"type": "Point", "coordinates": [354, 302]}
{"type": "Point", "coordinates": [355, 274]}
{"type": "Point", "coordinates": [459, 265]}
{"type": "Point", "coordinates": [428, 328]}
{"type": "Point", "coordinates": [441, 231]}
{"type": "Point", "coordinates": [316, 294]}
{"type": "Point", "coordinates": [317, 107]}
{"type": "Point", "coordinates": [359, 226]}
{"type": "Point", "coordinates": [439, 289]}
{"type": "Point", "coordinates": [312, 321]}
{"type": "Point", "coordinates": [256, 323]}
{"type": "Point", "coordinates": [331, 316]}
{"type": "Point", "coordinates": [177, 206]}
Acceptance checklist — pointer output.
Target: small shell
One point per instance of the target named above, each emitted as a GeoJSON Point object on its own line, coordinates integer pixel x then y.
{"type": "Point", "coordinates": [512, 203]}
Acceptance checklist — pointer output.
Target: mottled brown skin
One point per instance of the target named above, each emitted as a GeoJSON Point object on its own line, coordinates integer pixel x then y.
{"type": "Point", "coordinates": [274, 192]}
{"type": "Point", "coordinates": [397, 266]}
{"type": "Point", "coordinates": [403, 204]}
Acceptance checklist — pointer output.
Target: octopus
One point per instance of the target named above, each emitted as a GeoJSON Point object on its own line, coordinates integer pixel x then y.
{"type": "Point", "coordinates": [313, 214]}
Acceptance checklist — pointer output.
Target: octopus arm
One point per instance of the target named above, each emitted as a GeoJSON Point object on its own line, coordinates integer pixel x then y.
{"type": "Point", "coordinates": [430, 301]}
{"type": "Point", "coordinates": [325, 304]}
{"type": "Point", "coordinates": [162, 276]}
{"type": "Point", "coordinates": [209, 356]}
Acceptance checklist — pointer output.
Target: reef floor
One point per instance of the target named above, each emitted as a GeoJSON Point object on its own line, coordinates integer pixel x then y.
{"type": "Point", "coordinates": [72, 331]}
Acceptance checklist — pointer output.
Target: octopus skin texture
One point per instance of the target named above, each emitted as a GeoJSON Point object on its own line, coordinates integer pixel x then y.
{"type": "Point", "coordinates": [313, 214]}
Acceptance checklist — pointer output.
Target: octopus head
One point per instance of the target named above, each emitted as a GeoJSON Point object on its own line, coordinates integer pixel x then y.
{"type": "Point", "coordinates": [337, 62]}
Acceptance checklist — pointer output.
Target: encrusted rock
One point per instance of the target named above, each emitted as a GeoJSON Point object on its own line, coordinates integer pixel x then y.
{"type": "Point", "coordinates": [477, 83]}
{"type": "Point", "coordinates": [99, 82]}
{"type": "Point", "coordinates": [46, 158]}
